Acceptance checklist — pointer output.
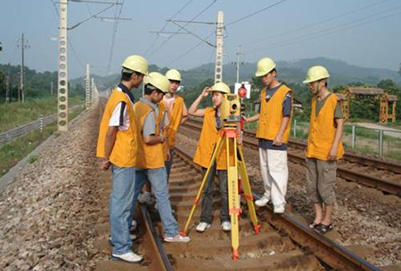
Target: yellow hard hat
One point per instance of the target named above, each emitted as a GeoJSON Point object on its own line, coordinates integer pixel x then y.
{"type": "Point", "coordinates": [158, 80]}
{"type": "Point", "coordinates": [136, 63]}
{"type": "Point", "coordinates": [265, 65]}
{"type": "Point", "coordinates": [221, 87]}
{"type": "Point", "coordinates": [316, 73]}
{"type": "Point", "coordinates": [173, 74]}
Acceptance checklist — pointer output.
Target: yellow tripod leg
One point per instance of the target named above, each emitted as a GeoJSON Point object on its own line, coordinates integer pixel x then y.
{"type": "Point", "coordinates": [233, 201]}
{"type": "Point", "coordinates": [248, 191]}
{"type": "Point", "coordinates": [198, 196]}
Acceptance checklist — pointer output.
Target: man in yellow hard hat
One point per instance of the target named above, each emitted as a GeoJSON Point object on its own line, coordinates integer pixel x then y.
{"type": "Point", "coordinates": [207, 142]}
{"type": "Point", "coordinates": [150, 147]}
{"type": "Point", "coordinates": [273, 132]}
{"type": "Point", "coordinates": [116, 148]}
{"type": "Point", "coordinates": [177, 114]}
{"type": "Point", "coordinates": [324, 148]}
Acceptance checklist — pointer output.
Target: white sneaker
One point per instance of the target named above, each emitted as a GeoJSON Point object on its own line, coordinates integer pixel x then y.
{"type": "Point", "coordinates": [144, 197]}
{"type": "Point", "coordinates": [177, 239]}
{"type": "Point", "coordinates": [226, 226]}
{"type": "Point", "coordinates": [279, 209]}
{"type": "Point", "coordinates": [134, 224]}
{"type": "Point", "coordinates": [202, 226]}
{"type": "Point", "coordinates": [131, 235]}
{"type": "Point", "coordinates": [129, 257]}
{"type": "Point", "coordinates": [262, 201]}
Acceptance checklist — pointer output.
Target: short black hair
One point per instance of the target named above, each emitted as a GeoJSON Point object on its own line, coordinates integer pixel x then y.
{"type": "Point", "coordinates": [175, 81]}
{"type": "Point", "coordinates": [126, 74]}
{"type": "Point", "coordinates": [274, 70]}
{"type": "Point", "coordinates": [150, 88]}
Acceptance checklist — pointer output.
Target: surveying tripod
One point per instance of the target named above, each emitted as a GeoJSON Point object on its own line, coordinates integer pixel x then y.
{"type": "Point", "coordinates": [228, 135]}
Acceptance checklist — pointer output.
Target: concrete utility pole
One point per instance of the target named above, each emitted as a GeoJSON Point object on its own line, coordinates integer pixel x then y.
{"type": "Point", "coordinates": [8, 92]}
{"type": "Point", "coordinates": [87, 87]}
{"type": "Point", "coordinates": [51, 88]}
{"type": "Point", "coordinates": [238, 62]}
{"type": "Point", "coordinates": [62, 84]}
{"type": "Point", "coordinates": [92, 89]}
{"type": "Point", "coordinates": [218, 71]}
{"type": "Point", "coordinates": [21, 92]}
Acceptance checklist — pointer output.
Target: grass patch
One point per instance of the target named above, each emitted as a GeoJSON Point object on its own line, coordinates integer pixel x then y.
{"type": "Point", "coordinates": [16, 114]}
{"type": "Point", "coordinates": [14, 151]}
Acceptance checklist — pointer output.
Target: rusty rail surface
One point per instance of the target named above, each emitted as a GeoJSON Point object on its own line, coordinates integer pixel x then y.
{"type": "Point", "coordinates": [382, 184]}
{"type": "Point", "coordinates": [288, 225]}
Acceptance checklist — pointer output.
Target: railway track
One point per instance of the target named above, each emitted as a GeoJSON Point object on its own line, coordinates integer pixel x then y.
{"type": "Point", "coordinates": [375, 173]}
{"type": "Point", "coordinates": [284, 242]}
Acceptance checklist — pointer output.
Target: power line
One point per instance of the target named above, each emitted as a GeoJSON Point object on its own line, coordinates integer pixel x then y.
{"type": "Point", "coordinates": [190, 50]}
{"type": "Point", "coordinates": [113, 39]}
{"type": "Point", "coordinates": [256, 12]}
{"type": "Point", "coordinates": [193, 19]}
{"type": "Point", "coordinates": [165, 25]}
{"type": "Point", "coordinates": [329, 31]}
{"type": "Point", "coordinates": [321, 22]}
{"type": "Point", "coordinates": [69, 39]}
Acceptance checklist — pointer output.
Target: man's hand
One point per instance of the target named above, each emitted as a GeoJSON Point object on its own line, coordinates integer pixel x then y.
{"type": "Point", "coordinates": [278, 141]}
{"type": "Point", "coordinates": [105, 164]}
{"type": "Point", "coordinates": [332, 154]}
{"type": "Point", "coordinates": [168, 154]}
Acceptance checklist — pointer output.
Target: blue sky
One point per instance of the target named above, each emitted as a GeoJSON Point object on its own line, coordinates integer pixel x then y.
{"type": "Point", "coordinates": [360, 32]}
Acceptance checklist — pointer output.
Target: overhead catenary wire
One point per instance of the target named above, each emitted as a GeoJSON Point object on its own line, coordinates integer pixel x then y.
{"type": "Point", "coordinates": [113, 38]}
{"type": "Point", "coordinates": [297, 29]}
{"type": "Point", "coordinates": [165, 25]}
{"type": "Point", "coordinates": [193, 19]}
{"type": "Point", "coordinates": [75, 54]}
{"type": "Point", "coordinates": [256, 12]}
{"type": "Point", "coordinates": [329, 31]}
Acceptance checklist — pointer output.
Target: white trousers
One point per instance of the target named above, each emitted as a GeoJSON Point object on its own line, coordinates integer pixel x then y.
{"type": "Point", "coordinates": [274, 169]}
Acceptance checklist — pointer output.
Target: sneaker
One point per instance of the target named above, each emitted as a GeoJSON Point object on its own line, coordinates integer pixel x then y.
{"type": "Point", "coordinates": [134, 224]}
{"type": "Point", "coordinates": [129, 257]}
{"type": "Point", "coordinates": [202, 226]}
{"type": "Point", "coordinates": [132, 236]}
{"type": "Point", "coordinates": [279, 209]}
{"type": "Point", "coordinates": [262, 201]}
{"type": "Point", "coordinates": [226, 226]}
{"type": "Point", "coordinates": [144, 197]}
{"type": "Point", "coordinates": [177, 239]}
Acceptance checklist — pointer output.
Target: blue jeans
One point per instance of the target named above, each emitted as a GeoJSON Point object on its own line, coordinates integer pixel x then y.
{"type": "Point", "coordinates": [169, 163]}
{"type": "Point", "coordinates": [121, 200]}
{"type": "Point", "coordinates": [158, 180]}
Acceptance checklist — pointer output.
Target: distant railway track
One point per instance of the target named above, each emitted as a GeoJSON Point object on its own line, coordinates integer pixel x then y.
{"type": "Point", "coordinates": [379, 174]}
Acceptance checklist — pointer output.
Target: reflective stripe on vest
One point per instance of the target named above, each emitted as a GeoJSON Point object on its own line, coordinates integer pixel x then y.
{"type": "Point", "coordinates": [271, 115]}
{"type": "Point", "coordinates": [322, 130]}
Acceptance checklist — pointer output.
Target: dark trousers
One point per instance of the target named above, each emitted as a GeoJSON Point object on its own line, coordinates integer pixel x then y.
{"type": "Point", "coordinates": [207, 200]}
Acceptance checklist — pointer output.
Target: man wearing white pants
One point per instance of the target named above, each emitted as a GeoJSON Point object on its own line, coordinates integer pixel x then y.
{"type": "Point", "coordinates": [273, 132]}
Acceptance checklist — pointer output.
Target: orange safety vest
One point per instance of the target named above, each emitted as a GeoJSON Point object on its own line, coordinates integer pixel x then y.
{"type": "Point", "coordinates": [123, 153]}
{"type": "Point", "coordinates": [175, 117]}
{"type": "Point", "coordinates": [322, 130]}
{"type": "Point", "coordinates": [148, 155]}
{"type": "Point", "coordinates": [271, 115]}
{"type": "Point", "coordinates": [207, 143]}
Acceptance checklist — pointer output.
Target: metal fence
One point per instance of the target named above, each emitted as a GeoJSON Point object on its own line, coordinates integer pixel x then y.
{"type": "Point", "coordinates": [27, 128]}
{"type": "Point", "coordinates": [383, 142]}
